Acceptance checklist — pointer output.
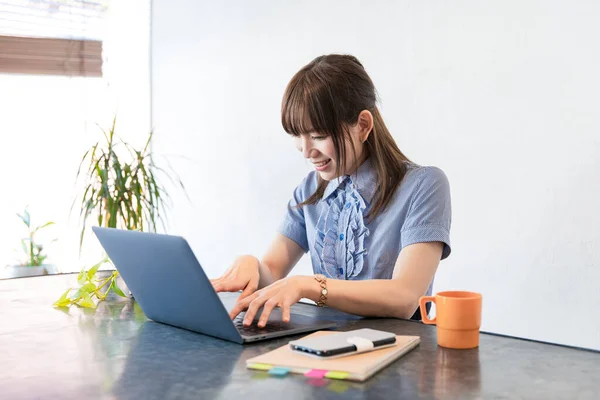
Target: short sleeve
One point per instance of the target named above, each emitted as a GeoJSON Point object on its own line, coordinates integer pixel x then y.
{"type": "Point", "coordinates": [294, 224]}
{"type": "Point", "coordinates": [429, 215]}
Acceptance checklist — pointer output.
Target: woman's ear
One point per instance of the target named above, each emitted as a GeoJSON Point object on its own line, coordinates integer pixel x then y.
{"type": "Point", "coordinates": [365, 125]}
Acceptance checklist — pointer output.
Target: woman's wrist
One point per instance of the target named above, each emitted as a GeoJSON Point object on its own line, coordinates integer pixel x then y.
{"type": "Point", "coordinates": [309, 287]}
{"type": "Point", "coordinates": [265, 275]}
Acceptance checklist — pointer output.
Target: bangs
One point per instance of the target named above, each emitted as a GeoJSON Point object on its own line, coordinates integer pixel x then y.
{"type": "Point", "coordinates": [307, 107]}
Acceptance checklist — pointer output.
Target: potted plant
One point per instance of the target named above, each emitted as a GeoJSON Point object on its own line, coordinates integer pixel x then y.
{"type": "Point", "coordinates": [33, 251]}
{"type": "Point", "coordinates": [121, 189]}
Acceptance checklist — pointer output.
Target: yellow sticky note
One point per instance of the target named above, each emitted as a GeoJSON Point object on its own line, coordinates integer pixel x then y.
{"type": "Point", "coordinates": [262, 367]}
{"type": "Point", "coordinates": [337, 375]}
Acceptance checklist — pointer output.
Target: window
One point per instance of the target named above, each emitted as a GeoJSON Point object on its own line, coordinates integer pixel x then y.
{"type": "Point", "coordinates": [57, 37]}
{"type": "Point", "coordinates": [48, 120]}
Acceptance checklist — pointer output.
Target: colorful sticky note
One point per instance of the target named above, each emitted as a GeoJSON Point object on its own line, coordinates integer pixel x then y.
{"type": "Point", "coordinates": [279, 371]}
{"type": "Point", "coordinates": [337, 375]}
{"type": "Point", "coordinates": [316, 373]}
{"type": "Point", "coordinates": [262, 367]}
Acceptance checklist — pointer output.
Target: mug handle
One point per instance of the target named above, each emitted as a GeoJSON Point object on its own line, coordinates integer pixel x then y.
{"type": "Point", "coordinates": [422, 305]}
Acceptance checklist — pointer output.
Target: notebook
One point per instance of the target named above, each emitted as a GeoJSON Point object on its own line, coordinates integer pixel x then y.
{"type": "Point", "coordinates": [358, 367]}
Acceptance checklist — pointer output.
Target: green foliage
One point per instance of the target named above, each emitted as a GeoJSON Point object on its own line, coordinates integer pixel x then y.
{"type": "Point", "coordinates": [121, 190]}
{"type": "Point", "coordinates": [32, 249]}
{"type": "Point", "coordinates": [90, 287]}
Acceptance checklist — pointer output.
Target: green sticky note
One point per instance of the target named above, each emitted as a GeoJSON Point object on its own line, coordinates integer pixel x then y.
{"type": "Point", "coordinates": [337, 375]}
{"type": "Point", "coordinates": [262, 367]}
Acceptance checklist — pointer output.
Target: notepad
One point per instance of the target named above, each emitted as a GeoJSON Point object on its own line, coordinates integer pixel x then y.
{"type": "Point", "coordinates": [358, 367]}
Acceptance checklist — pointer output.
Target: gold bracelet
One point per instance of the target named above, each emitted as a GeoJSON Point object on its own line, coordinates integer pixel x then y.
{"type": "Point", "coordinates": [323, 282]}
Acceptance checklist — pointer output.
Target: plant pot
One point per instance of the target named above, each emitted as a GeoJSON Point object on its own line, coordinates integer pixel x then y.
{"type": "Point", "coordinates": [51, 269]}
{"type": "Point", "coordinates": [22, 271]}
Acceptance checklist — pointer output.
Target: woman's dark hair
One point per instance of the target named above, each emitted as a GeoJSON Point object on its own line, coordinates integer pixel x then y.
{"type": "Point", "coordinates": [326, 97]}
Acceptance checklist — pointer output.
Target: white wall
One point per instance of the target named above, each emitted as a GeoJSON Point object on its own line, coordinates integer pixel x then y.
{"type": "Point", "coordinates": [502, 95]}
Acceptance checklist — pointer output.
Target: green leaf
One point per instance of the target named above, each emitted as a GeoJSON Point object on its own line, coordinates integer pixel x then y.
{"type": "Point", "coordinates": [116, 289]}
{"type": "Point", "coordinates": [24, 246]}
{"type": "Point", "coordinates": [82, 276]}
{"type": "Point", "coordinates": [43, 226]}
{"type": "Point", "coordinates": [147, 145]}
{"type": "Point", "coordinates": [83, 160]}
{"type": "Point", "coordinates": [65, 294]}
{"type": "Point", "coordinates": [63, 300]}
{"type": "Point", "coordinates": [86, 301]}
{"type": "Point", "coordinates": [88, 288]}
{"type": "Point", "coordinates": [83, 291]}
{"type": "Point", "coordinates": [93, 270]}
{"type": "Point", "coordinates": [76, 294]}
{"type": "Point", "coordinates": [26, 218]}
{"type": "Point", "coordinates": [40, 260]}
{"type": "Point", "coordinates": [62, 303]}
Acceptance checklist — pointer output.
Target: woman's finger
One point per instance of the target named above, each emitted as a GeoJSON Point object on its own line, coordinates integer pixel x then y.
{"type": "Point", "coordinates": [229, 273]}
{"type": "Point", "coordinates": [241, 305]}
{"type": "Point", "coordinates": [217, 280]}
{"type": "Point", "coordinates": [250, 287]}
{"type": "Point", "coordinates": [223, 277]}
{"type": "Point", "coordinates": [285, 311]}
{"type": "Point", "coordinates": [255, 304]}
{"type": "Point", "coordinates": [218, 286]}
{"type": "Point", "coordinates": [230, 285]}
{"type": "Point", "coordinates": [266, 312]}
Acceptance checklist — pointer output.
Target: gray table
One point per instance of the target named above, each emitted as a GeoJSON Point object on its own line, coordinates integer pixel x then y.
{"type": "Point", "coordinates": [115, 352]}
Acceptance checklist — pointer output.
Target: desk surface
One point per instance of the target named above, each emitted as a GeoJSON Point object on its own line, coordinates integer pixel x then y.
{"type": "Point", "coordinates": [115, 352]}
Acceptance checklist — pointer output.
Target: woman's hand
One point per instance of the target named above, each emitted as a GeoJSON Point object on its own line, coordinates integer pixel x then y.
{"type": "Point", "coordinates": [283, 294]}
{"type": "Point", "coordinates": [242, 275]}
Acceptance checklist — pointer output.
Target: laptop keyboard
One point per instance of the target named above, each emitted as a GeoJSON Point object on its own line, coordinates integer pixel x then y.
{"type": "Point", "coordinates": [272, 326]}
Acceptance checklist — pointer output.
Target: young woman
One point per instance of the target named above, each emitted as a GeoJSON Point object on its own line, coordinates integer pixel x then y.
{"type": "Point", "coordinates": [375, 224]}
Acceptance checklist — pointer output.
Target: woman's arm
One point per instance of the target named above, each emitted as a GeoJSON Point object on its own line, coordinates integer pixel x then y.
{"type": "Point", "coordinates": [281, 257]}
{"type": "Point", "coordinates": [248, 273]}
{"type": "Point", "coordinates": [397, 297]}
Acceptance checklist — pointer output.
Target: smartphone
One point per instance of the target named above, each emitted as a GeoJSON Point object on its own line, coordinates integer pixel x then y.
{"type": "Point", "coordinates": [344, 343]}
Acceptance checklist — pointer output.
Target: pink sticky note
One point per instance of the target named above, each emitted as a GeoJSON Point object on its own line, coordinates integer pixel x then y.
{"type": "Point", "coordinates": [316, 373]}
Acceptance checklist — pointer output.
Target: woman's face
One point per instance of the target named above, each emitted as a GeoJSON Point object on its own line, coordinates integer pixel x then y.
{"type": "Point", "coordinates": [320, 151]}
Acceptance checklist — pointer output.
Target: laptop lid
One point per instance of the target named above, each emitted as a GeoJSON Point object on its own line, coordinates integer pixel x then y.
{"type": "Point", "coordinates": [167, 281]}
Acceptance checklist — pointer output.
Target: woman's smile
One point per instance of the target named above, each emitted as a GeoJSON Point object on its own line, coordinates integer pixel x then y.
{"type": "Point", "coordinates": [322, 165]}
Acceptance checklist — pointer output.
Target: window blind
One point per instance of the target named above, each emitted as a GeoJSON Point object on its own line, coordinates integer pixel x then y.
{"type": "Point", "coordinates": [56, 37]}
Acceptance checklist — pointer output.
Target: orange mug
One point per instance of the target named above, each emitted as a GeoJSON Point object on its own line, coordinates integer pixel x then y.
{"type": "Point", "coordinates": [458, 318]}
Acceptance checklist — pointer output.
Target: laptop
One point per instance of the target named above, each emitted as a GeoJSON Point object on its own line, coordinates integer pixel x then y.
{"type": "Point", "coordinates": [167, 281]}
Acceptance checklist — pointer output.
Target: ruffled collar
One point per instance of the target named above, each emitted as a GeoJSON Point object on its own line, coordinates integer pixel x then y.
{"type": "Point", "coordinates": [364, 180]}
